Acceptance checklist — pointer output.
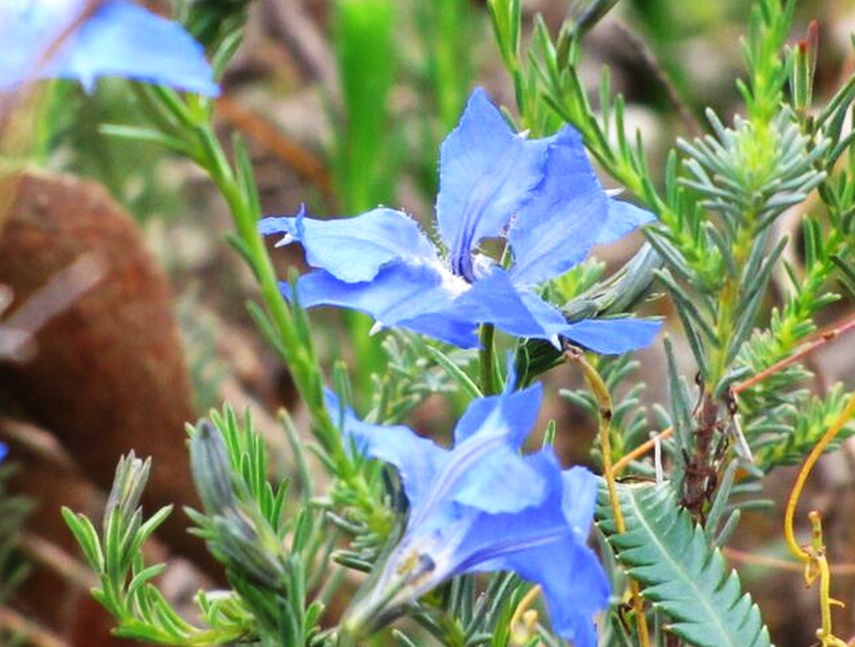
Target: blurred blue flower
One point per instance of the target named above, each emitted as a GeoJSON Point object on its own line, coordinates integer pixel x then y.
{"type": "Point", "coordinates": [540, 195]}
{"type": "Point", "coordinates": [483, 506]}
{"type": "Point", "coordinates": [87, 39]}
{"type": "Point", "coordinates": [3, 451]}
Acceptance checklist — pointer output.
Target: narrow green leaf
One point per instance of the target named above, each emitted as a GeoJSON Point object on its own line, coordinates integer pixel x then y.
{"type": "Point", "coordinates": [87, 537]}
{"type": "Point", "coordinates": [147, 135]}
{"type": "Point", "coordinates": [142, 578]}
{"type": "Point", "coordinates": [455, 372]}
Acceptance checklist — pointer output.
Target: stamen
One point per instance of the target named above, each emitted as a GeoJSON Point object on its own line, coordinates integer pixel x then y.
{"type": "Point", "coordinates": [287, 239]}
{"type": "Point", "coordinates": [742, 446]}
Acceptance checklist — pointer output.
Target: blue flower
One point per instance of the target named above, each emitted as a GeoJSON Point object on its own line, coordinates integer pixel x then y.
{"type": "Point", "coordinates": [67, 39]}
{"type": "Point", "coordinates": [3, 451]}
{"type": "Point", "coordinates": [482, 506]}
{"type": "Point", "coordinates": [540, 195]}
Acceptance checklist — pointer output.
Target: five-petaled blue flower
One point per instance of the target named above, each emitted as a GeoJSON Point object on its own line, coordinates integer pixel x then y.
{"type": "Point", "coordinates": [541, 195]}
{"type": "Point", "coordinates": [87, 39]}
{"type": "Point", "coordinates": [482, 506]}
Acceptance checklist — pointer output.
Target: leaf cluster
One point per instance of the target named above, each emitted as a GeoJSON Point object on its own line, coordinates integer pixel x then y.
{"type": "Point", "coordinates": [125, 582]}
{"type": "Point", "coordinates": [681, 573]}
{"type": "Point", "coordinates": [268, 555]}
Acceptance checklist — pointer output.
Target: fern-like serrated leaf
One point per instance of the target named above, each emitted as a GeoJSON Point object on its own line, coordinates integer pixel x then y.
{"type": "Point", "coordinates": [679, 572]}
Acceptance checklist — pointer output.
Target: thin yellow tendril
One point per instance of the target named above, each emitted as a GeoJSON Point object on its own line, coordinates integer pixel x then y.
{"type": "Point", "coordinates": [604, 402]}
{"type": "Point", "coordinates": [816, 564]}
{"type": "Point", "coordinates": [825, 634]}
{"type": "Point", "coordinates": [804, 472]}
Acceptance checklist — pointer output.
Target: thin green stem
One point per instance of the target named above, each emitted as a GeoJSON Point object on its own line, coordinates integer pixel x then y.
{"type": "Point", "coordinates": [296, 350]}
{"type": "Point", "coordinates": [729, 300]}
{"type": "Point", "coordinates": [360, 619]}
{"type": "Point", "coordinates": [485, 357]}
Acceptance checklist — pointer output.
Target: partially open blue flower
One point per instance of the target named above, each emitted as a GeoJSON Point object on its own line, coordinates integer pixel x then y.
{"type": "Point", "coordinates": [540, 195]}
{"type": "Point", "coordinates": [66, 39]}
{"type": "Point", "coordinates": [483, 506]}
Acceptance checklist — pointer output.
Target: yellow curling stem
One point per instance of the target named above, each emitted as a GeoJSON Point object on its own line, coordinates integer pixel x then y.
{"type": "Point", "coordinates": [816, 564]}
{"type": "Point", "coordinates": [818, 567]}
{"type": "Point", "coordinates": [604, 402]}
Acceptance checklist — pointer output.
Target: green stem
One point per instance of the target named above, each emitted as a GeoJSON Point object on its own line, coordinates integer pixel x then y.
{"type": "Point", "coordinates": [296, 348]}
{"type": "Point", "coordinates": [297, 352]}
{"type": "Point", "coordinates": [729, 299]}
{"type": "Point", "coordinates": [191, 125]}
{"type": "Point", "coordinates": [362, 618]}
{"type": "Point", "coordinates": [485, 356]}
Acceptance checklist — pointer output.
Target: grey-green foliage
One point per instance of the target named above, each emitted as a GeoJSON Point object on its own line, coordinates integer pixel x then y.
{"type": "Point", "coordinates": [787, 433]}
{"type": "Point", "coordinates": [465, 614]}
{"type": "Point", "coordinates": [415, 370]}
{"type": "Point", "coordinates": [680, 573]}
{"type": "Point", "coordinates": [747, 175]}
{"type": "Point", "coordinates": [125, 582]}
{"type": "Point", "coordinates": [785, 418]}
{"type": "Point", "coordinates": [270, 556]}
{"type": "Point", "coordinates": [13, 511]}
{"type": "Point", "coordinates": [630, 425]}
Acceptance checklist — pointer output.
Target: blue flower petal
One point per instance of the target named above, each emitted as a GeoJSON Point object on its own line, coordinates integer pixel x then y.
{"type": "Point", "coordinates": [519, 409]}
{"type": "Point", "coordinates": [354, 249]}
{"type": "Point", "coordinates": [578, 500]}
{"type": "Point", "coordinates": [482, 506]}
{"type": "Point", "coordinates": [417, 459]}
{"type": "Point", "coordinates": [3, 451]}
{"type": "Point", "coordinates": [486, 462]}
{"type": "Point", "coordinates": [26, 29]}
{"type": "Point", "coordinates": [522, 313]}
{"type": "Point", "coordinates": [485, 469]}
{"type": "Point", "coordinates": [492, 537]}
{"type": "Point", "coordinates": [486, 174]}
{"type": "Point", "coordinates": [119, 39]}
{"type": "Point", "coordinates": [540, 194]}
{"type": "Point", "coordinates": [574, 586]}
{"type": "Point", "coordinates": [417, 297]}
{"type": "Point", "coordinates": [448, 326]}
{"type": "Point", "coordinates": [495, 479]}
{"type": "Point", "coordinates": [557, 228]}
{"type": "Point", "coordinates": [427, 300]}
{"type": "Point", "coordinates": [494, 299]}
{"type": "Point", "coordinates": [613, 336]}
{"type": "Point", "coordinates": [623, 218]}
{"type": "Point", "coordinates": [604, 336]}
